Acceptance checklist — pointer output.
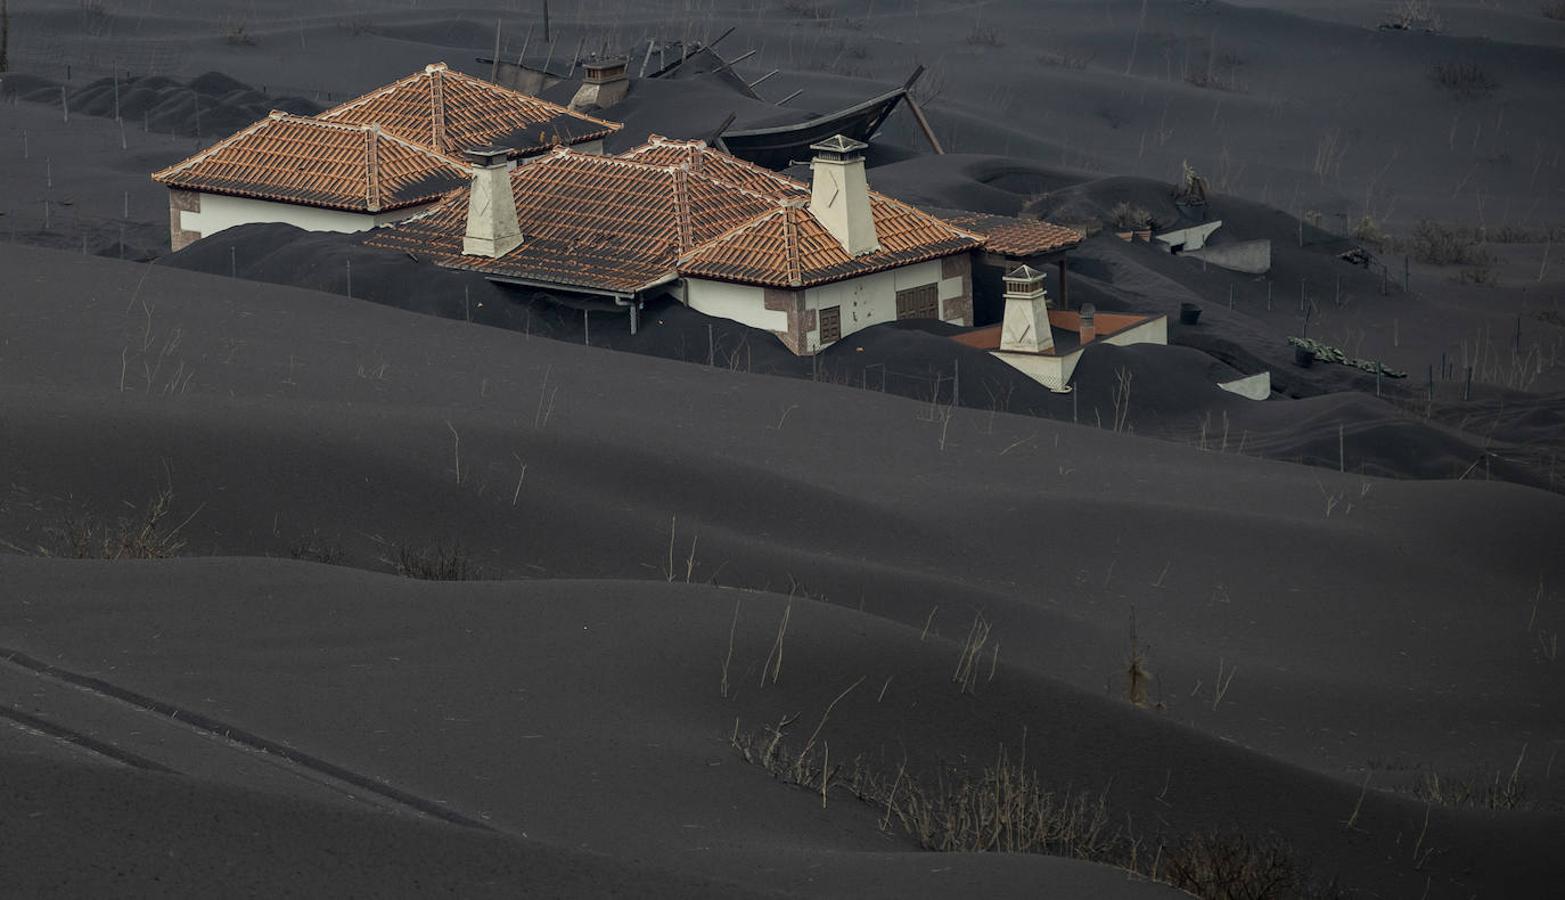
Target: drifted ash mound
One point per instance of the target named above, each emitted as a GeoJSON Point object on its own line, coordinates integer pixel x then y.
{"type": "Point", "coordinates": [1165, 392]}
{"type": "Point", "coordinates": [649, 525]}
{"type": "Point", "coordinates": [211, 105]}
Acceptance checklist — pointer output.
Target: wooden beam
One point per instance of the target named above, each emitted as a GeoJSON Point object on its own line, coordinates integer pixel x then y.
{"type": "Point", "coordinates": [494, 68]}
{"type": "Point", "coordinates": [923, 125]}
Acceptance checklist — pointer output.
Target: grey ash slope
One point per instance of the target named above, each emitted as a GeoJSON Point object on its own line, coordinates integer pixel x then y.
{"type": "Point", "coordinates": [1379, 627]}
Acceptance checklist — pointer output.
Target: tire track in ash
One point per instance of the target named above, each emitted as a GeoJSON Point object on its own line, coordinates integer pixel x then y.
{"type": "Point", "coordinates": [85, 742]}
{"type": "Point", "coordinates": [235, 735]}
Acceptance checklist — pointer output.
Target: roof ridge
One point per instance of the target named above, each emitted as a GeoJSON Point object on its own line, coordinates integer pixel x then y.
{"type": "Point", "coordinates": [481, 84]}
{"type": "Point", "coordinates": [791, 245]}
{"type": "Point", "coordinates": [416, 147]}
{"type": "Point", "coordinates": [758, 219]}
{"type": "Point", "coordinates": [682, 206]}
{"type": "Point", "coordinates": [372, 168]}
{"type": "Point", "coordinates": [437, 107]}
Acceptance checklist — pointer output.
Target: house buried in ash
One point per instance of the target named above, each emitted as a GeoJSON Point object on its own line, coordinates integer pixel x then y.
{"type": "Point", "coordinates": [811, 263]}
{"type": "Point", "coordinates": [371, 161]}
{"type": "Point", "coordinates": [1046, 344]}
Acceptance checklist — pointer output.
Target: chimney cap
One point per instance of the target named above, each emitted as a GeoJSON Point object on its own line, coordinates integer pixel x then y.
{"type": "Point", "coordinates": [838, 146]}
{"type": "Point", "coordinates": [605, 68]}
{"type": "Point", "coordinates": [487, 157]}
{"type": "Point", "coordinates": [1025, 274]}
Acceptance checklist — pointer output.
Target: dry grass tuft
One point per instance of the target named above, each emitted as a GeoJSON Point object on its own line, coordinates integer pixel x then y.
{"type": "Point", "coordinates": [1006, 808]}
{"type": "Point", "coordinates": [144, 536]}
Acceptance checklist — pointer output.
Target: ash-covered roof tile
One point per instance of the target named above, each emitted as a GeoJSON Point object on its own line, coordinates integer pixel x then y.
{"type": "Point", "coordinates": [1011, 236]}
{"type": "Point", "coordinates": [295, 159]}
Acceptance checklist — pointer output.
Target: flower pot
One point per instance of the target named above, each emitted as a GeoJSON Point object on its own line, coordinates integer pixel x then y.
{"type": "Point", "coordinates": [1125, 235]}
{"type": "Point", "coordinates": [1189, 313]}
{"type": "Point", "coordinates": [1303, 357]}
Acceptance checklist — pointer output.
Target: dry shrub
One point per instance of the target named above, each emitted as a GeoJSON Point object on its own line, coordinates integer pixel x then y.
{"type": "Point", "coordinates": [1463, 79]}
{"type": "Point", "coordinates": [237, 34]}
{"type": "Point", "coordinates": [439, 561]}
{"type": "Point", "coordinates": [807, 9]}
{"type": "Point", "coordinates": [1006, 808]}
{"type": "Point", "coordinates": [1367, 230]}
{"type": "Point", "coordinates": [1127, 215]}
{"type": "Point", "coordinates": [145, 536]}
{"type": "Point", "coordinates": [1234, 866]}
{"type": "Point", "coordinates": [313, 547]}
{"type": "Point", "coordinates": [1414, 15]}
{"type": "Point", "coordinates": [1443, 245]}
{"type": "Point", "coordinates": [984, 36]}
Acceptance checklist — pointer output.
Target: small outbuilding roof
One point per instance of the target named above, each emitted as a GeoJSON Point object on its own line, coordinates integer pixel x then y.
{"type": "Point", "coordinates": [1013, 237]}
{"type": "Point", "coordinates": [295, 159]}
{"type": "Point", "coordinates": [452, 112]}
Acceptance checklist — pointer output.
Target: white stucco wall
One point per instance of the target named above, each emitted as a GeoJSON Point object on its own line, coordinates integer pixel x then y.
{"type": "Point", "coordinates": [220, 211]}
{"type": "Point", "coordinates": [1153, 332]}
{"type": "Point", "coordinates": [1053, 372]}
{"type": "Point", "coordinates": [740, 302]}
{"type": "Point", "coordinates": [872, 299]}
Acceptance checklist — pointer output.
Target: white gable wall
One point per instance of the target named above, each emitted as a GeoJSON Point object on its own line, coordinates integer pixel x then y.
{"type": "Point", "coordinates": [216, 212]}
{"type": "Point", "coordinates": [741, 303]}
{"type": "Point", "coordinates": [872, 299]}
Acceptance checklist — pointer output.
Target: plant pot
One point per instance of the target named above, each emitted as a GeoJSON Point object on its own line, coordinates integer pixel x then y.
{"type": "Point", "coordinates": [1303, 357]}
{"type": "Point", "coordinates": [1189, 313]}
{"type": "Point", "coordinates": [1125, 235]}
{"type": "Point", "coordinates": [1144, 234]}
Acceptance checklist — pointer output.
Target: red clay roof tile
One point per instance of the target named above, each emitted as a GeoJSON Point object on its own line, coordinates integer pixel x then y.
{"type": "Point", "coordinates": [294, 159]}
{"type": "Point", "coordinates": [452, 112]}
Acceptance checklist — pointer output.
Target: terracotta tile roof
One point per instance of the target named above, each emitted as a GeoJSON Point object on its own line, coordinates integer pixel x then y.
{"type": "Point", "coordinates": [590, 222]}
{"type": "Point", "coordinates": [704, 160]}
{"type": "Point", "coordinates": [1014, 237]}
{"type": "Point", "coordinates": [294, 159]}
{"type": "Point", "coordinates": [451, 112]}
{"type": "Point", "coordinates": [788, 247]}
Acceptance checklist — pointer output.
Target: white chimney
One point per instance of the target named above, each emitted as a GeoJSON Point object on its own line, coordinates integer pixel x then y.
{"type": "Point", "coordinates": [839, 194]}
{"type": "Point", "coordinates": [1026, 328]}
{"type": "Point", "coordinates": [492, 229]}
